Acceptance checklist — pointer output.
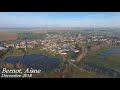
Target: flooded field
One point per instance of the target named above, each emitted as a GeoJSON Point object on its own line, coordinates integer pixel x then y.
{"type": "Point", "coordinates": [35, 61]}
{"type": "Point", "coordinates": [109, 58]}
{"type": "Point", "coordinates": [111, 51]}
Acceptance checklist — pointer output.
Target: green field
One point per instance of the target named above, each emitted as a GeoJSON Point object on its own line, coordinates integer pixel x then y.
{"type": "Point", "coordinates": [30, 35]}
{"type": "Point", "coordinates": [111, 61]}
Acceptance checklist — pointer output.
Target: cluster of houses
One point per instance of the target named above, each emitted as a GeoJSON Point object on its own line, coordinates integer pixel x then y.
{"type": "Point", "coordinates": [60, 43]}
{"type": "Point", "coordinates": [22, 44]}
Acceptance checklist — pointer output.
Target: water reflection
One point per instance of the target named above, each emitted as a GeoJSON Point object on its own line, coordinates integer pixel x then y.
{"type": "Point", "coordinates": [111, 51]}
{"type": "Point", "coordinates": [36, 61]}
{"type": "Point", "coordinates": [105, 53]}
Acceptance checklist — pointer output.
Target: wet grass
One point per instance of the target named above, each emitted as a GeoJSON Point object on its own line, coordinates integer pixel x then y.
{"type": "Point", "coordinates": [110, 61]}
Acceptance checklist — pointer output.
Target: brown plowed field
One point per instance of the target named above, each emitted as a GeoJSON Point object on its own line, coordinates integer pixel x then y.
{"type": "Point", "coordinates": [6, 36]}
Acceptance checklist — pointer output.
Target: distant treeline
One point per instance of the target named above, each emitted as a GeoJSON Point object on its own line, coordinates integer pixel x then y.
{"type": "Point", "coordinates": [30, 35]}
{"type": "Point", "coordinates": [93, 68]}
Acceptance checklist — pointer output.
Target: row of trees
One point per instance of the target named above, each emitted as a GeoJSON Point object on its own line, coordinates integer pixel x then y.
{"type": "Point", "coordinates": [93, 68]}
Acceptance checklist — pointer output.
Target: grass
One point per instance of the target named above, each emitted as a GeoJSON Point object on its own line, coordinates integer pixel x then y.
{"type": "Point", "coordinates": [44, 52]}
{"type": "Point", "coordinates": [112, 61]}
{"type": "Point", "coordinates": [115, 61]}
{"type": "Point", "coordinates": [14, 52]}
{"type": "Point", "coordinates": [80, 74]}
{"type": "Point", "coordinates": [114, 58]}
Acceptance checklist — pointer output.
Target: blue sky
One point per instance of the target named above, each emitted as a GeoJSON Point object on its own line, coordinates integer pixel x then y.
{"type": "Point", "coordinates": [79, 19]}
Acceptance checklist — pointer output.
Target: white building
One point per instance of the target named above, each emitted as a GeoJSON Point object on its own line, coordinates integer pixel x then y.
{"type": "Point", "coordinates": [72, 60]}
{"type": "Point", "coordinates": [76, 51]}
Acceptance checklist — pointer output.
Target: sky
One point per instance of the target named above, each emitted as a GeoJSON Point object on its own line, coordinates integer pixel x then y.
{"type": "Point", "coordinates": [63, 19]}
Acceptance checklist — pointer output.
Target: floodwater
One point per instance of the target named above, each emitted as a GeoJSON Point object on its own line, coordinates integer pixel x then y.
{"type": "Point", "coordinates": [111, 51]}
{"type": "Point", "coordinates": [35, 61]}
{"type": "Point", "coordinates": [105, 53]}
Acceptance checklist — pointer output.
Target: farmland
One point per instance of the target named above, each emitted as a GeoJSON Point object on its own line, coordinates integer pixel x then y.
{"type": "Point", "coordinates": [6, 36]}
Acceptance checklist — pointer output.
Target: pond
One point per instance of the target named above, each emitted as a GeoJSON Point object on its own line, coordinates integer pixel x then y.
{"type": "Point", "coordinates": [111, 51]}
{"type": "Point", "coordinates": [35, 61]}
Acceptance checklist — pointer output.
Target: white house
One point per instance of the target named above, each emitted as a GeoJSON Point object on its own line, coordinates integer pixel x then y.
{"type": "Point", "coordinates": [72, 60]}
{"type": "Point", "coordinates": [76, 51]}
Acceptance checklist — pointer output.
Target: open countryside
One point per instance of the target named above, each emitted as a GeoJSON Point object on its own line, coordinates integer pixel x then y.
{"type": "Point", "coordinates": [6, 36]}
{"type": "Point", "coordinates": [74, 49]}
